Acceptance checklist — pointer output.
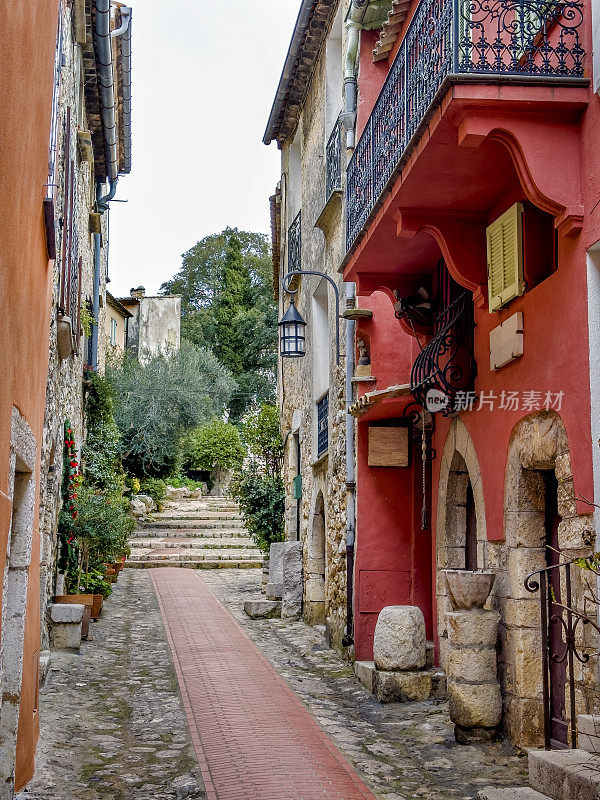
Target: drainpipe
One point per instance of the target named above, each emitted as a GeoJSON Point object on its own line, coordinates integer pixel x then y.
{"type": "Point", "coordinates": [350, 477]}
{"type": "Point", "coordinates": [96, 292]}
{"type": "Point", "coordinates": [103, 37]}
{"type": "Point", "coordinates": [354, 19]}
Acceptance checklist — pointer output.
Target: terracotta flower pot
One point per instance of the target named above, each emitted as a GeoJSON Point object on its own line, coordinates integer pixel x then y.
{"type": "Point", "coordinates": [97, 607]}
{"type": "Point", "coordinates": [468, 589]}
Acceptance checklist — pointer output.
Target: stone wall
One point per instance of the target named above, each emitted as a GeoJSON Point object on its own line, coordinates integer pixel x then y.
{"type": "Point", "coordinates": [65, 389]}
{"type": "Point", "coordinates": [538, 445]}
{"type": "Point", "coordinates": [323, 479]}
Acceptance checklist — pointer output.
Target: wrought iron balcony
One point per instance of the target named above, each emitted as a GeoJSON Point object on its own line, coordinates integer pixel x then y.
{"type": "Point", "coordinates": [447, 362]}
{"type": "Point", "coordinates": [333, 158]}
{"type": "Point", "coordinates": [294, 244]}
{"type": "Point", "coordinates": [537, 39]}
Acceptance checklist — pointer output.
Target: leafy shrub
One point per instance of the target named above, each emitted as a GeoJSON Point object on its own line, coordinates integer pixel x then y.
{"type": "Point", "coordinates": [261, 501]}
{"type": "Point", "coordinates": [101, 452]}
{"type": "Point", "coordinates": [96, 535]}
{"type": "Point", "coordinates": [95, 583]}
{"type": "Point", "coordinates": [157, 401]}
{"type": "Point", "coordinates": [260, 433]}
{"type": "Point", "coordinates": [156, 489]}
{"type": "Point", "coordinates": [215, 444]}
{"type": "Point", "coordinates": [183, 482]}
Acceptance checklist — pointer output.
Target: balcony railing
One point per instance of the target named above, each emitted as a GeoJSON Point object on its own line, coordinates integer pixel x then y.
{"type": "Point", "coordinates": [529, 38]}
{"type": "Point", "coordinates": [294, 244]}
{"type": "Point", "coordinates": [333, 158]}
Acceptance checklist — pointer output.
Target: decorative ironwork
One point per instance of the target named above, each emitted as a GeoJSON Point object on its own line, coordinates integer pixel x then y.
{"type": "Point", "coordinates": [446, 363]}
{"type": "Point", "coordinates": [559, 623]}
{"type": "Point", "coordinates": [323, 425]}
{"type": "Point", "coordinates": [333, 159]}
{"type": "Point", "coordinates": [294, 244]}
{"type": "Point", "coordinates": [533, 38]}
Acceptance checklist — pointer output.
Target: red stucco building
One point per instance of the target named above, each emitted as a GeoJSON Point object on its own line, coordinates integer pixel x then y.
{"type": "Point", "coordinates": [473, 219]}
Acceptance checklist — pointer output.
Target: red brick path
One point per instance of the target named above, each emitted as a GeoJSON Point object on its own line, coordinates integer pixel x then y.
{"type": "Point", "coordinates": [254, 739]}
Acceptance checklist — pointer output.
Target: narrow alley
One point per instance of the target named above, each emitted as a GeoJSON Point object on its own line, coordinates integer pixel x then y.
{"type": "Point", "coordinates": [232, 728]}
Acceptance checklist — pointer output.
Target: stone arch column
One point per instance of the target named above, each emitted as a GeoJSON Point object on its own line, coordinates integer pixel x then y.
{"type": "Point", "coordinates": [314, 588]}
{"type": "Point", "coordinates": [459, 469]}
{"type": "Point", "coordinates": [538, 445]}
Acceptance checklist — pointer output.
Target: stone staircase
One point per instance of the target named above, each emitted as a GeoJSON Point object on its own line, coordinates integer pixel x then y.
{"type": "Point", "coordinates": [198, 534]}
{"type": "Point", "coordinates": [560, 774]}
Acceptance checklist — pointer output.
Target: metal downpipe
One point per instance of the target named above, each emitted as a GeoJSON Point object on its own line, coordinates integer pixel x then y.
{"type": "Point", "coordinates": [106, 84]}
{"type": "Point", "coordinates": [350, 476]}
{"type": "Point", "coordinates": [96, 290]}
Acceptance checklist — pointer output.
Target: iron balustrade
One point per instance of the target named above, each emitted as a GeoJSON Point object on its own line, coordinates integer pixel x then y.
{"type": "Point", "coordinates": [333, 160]}
{"type": "Point", "coordinates": [323, 425]}
{"type": "Point", "coordinates": [559, 622]}
{"type": "Point", "coordinates": [294, 244]}
{"type": "Point", "coordinates": [503, 38]}
{"type": "Point", "coordinates": [447, 362]}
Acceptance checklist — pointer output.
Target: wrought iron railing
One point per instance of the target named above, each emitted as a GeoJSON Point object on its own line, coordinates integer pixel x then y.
{"type": "Point", "coordinates": [559, 622]}
{"type": "Point", "coordinates": [529, 38]}
{"type": "Point", "coordinates": [333, 159]}
{"type": "Point", "coordinates": [323, 425]}
{"type": "Point", "coordinates": [447, 362]}
{"type": "Point", "coordinates": [294, 244]}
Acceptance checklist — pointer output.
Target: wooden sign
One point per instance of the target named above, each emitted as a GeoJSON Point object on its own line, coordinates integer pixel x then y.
{"type": "Point", "coordinates": [388, 447]}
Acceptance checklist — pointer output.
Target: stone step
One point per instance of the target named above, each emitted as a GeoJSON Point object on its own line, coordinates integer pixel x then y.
{"type": "Point", "coordinates": [516, 793]}
{"type": "Point", "coordinates": [210, 555]}
{"type": "Point", "coordinates": [238, 564]}
{"type": "Point", "coordinates": [197, 542]}
{"type": "Point", "coordinates": [565, 774]}
{"type": "Point", "coordinates": [209, 524]}
{"type": "Point", "coordinates": [204, 515]}
{"type": "Point", "coordinates": [191, 533]}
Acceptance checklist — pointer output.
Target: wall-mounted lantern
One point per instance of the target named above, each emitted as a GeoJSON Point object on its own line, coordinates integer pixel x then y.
{"type": "Point", "coordinates": [292, 326]}
{"type": "Point", "coordinates": [292, 337]}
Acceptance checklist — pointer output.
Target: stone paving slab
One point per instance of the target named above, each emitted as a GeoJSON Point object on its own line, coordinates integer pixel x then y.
{"type": "Point", "coordinates": [254, 739]}
{"type": "Point", "coordinates": [112, 720]}
{"type": "Point", "coordinates": [403, 751]}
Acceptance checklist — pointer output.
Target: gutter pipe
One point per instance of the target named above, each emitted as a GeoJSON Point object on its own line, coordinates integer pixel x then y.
{"type": "Point", "coordinates": [106, 79]}
{"type": "Point", "coordinates": [96, 291]}
{"type": "Point", "coordinates": [348, 639]}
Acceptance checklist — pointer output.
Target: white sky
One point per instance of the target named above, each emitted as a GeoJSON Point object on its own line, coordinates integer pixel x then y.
{"type": "Point", "coordinates": [204, 78]}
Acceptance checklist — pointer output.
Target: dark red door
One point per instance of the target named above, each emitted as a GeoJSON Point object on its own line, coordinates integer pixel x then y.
{"type": "Point", "coordinates": [558, 664]}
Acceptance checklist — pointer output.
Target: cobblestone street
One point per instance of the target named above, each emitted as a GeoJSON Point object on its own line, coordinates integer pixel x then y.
{"type": "Point", "coordinates": [113, 724]}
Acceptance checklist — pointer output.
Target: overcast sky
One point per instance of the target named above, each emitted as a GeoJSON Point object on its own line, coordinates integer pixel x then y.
{"type": "Point", "coordinates": [204, 78]}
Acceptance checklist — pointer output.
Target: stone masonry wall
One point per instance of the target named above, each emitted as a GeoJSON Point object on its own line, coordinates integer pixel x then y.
{"type": "Point", "coordinates": [65, 390]}
{"type": "Point", "coordinates": [322, 478]}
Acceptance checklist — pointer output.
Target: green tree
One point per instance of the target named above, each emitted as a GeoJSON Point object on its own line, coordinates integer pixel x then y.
{"type": "Point", "coordinates": [225, 282]}
{"type": "Point", "coordinates": [215, 444]}
{"type": "Point", "coordinates": [156, 402]}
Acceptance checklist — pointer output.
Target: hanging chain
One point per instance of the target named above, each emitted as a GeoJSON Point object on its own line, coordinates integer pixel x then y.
{"type": "Point", "coordinates": [424, 461]}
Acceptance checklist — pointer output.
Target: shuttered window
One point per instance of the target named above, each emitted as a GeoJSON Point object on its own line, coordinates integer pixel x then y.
{"type": "Point", "coordinates": [505, 257]}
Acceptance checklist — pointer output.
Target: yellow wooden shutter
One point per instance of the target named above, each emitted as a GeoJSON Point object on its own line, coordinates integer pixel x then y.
{"type": "Point", "coordinates": [505, 257]}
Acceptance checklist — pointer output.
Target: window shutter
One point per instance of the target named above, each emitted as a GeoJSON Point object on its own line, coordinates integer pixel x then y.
{"type": "Point", "coordinates": [505, 257]}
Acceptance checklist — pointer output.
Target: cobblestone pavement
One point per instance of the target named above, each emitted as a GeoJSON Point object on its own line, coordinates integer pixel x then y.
{"type": "Point", "coordinates": [401, 750]}
{"type": "Point", "coordinates": [112, 721]}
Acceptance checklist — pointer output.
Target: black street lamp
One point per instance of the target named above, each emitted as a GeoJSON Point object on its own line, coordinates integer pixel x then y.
{"type": "Point", "coordinates": [291, 333]}
{"type": "Point", "coordinates": [292, 326]}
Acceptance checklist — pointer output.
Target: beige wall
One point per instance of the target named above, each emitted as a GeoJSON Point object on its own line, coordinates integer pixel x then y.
{"type": "Point", "coordinates": [121, 322]}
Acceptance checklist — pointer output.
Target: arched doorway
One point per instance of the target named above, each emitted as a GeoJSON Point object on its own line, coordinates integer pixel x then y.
{"type": "Point", "coordinates": [314, 601]}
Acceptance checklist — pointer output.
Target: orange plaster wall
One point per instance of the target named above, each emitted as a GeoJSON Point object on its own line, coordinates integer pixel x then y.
{"type": "Point", "coordinates": [27, 44]}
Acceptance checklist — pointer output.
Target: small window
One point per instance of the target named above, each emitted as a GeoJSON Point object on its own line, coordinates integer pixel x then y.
{"type": "Point", "coordinates": [113, 331]}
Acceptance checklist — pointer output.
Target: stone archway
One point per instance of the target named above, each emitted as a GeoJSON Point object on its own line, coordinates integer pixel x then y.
{"type": "Point", "coordinates": [538, 458]}
{"type": "Point", "coordinates": [460, 516]}
{"type": "Point", "coordinates": [314, 600]}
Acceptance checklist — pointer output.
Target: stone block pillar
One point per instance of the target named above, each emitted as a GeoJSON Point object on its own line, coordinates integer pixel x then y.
{"type": "Point", "coordinates": [291, 601]}
{"type": "Point", "coordinates": [473, 688]}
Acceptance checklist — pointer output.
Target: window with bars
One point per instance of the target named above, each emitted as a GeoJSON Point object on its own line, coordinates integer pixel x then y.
{"type": "Point", "coordinates": [323, 425]}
